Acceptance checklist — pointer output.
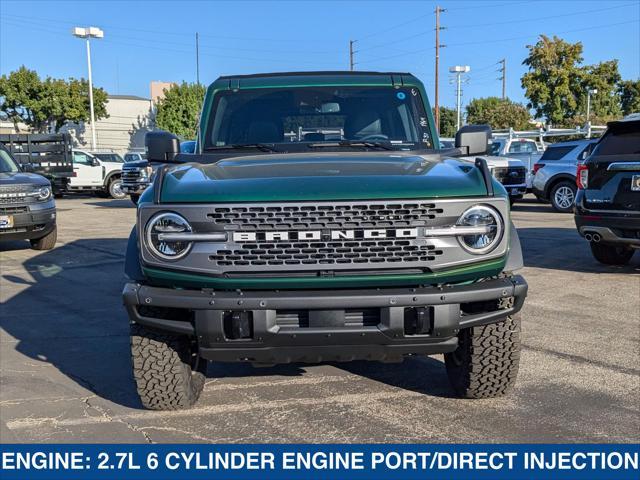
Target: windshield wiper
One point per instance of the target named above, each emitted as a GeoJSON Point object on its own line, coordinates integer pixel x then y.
{"type": "Point", "coordinates": [263, 147]}
{"type": "Point", "coordinates": [353, 143]}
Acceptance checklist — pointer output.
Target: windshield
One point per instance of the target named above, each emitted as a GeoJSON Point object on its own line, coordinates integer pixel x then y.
{"type": "Point", "coordinates": [109, 157]}
{"type": "Point", "coordinates": [318, 115]}
{"type": "Point", "coordinates": [7, 165]}
{"type": "Point", "coordinates": [495, 148]}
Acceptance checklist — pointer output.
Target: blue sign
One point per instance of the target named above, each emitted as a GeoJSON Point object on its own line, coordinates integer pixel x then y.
{"type": "Point", "coordinates": [315, 462]}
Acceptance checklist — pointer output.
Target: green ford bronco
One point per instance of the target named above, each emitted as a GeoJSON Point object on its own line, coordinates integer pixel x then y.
{"type": "Point", "coordinates": [318, 220]}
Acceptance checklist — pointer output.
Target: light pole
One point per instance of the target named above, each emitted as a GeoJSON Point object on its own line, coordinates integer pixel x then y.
{"type": "Point", "coordinates": [87, 33]}
{"type": "Point", "coordinates": [459, 70]}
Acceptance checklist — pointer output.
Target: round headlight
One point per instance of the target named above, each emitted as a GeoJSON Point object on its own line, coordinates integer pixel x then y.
{"type": "Point", "coordinates": [481, 216]}
{"type": "Point", "coordinates": [167, 224]}
{"type": "Point", "coordinates": [43, 193]}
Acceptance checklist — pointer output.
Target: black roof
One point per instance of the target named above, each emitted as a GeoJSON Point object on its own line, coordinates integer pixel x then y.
{"type": "Point", "coordinates": [313, 73]}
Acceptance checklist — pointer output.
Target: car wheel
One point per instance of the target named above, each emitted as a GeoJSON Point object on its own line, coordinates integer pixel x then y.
{"type": "Point", "coordinates": [485, 364]}
{"type": "Point", "coordinates": [47, 242]}
{"type": "Point", "coordinates": [563, 196]}
{"type": "Point", "coordinates": [169, 374]}
{"type": "Point", "coordinates": [115, 189]}
{"type": "Point", "coordinates": [611, 254]}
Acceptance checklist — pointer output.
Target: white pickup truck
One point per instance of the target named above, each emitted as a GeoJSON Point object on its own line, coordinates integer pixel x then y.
{"type": "Point", "coordinates": [97, 172]}
{"type": "Point", "coordinates": [525, 149]}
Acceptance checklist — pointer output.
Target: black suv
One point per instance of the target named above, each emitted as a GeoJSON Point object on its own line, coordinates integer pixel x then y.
{"type": "Point", "coordinates": [607, 210]}
{"type": "Point", "coordinates": [27, 207]}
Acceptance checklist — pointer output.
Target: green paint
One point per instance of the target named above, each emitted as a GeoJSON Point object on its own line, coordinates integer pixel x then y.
{"type": "Point", "coordinates": [453, 275]}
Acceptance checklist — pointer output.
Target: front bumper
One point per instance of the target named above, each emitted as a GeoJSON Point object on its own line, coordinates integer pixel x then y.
{"type": "Point", "coordinates": [324, 325]}
{"type": "Point", "coordinates": [134, 189]}
{"type": "Point", "coordinates": [36, 222]}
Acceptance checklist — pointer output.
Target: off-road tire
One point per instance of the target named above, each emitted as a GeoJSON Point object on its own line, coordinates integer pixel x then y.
{"type": "Point", "coordinates": [47, 242]}
{"type": "Point", "coordinates": [115, 192]}
{"type": "Point", "coordinates": [566, 186]}
{"type": "Point", "coordinates": [168, 374]}
{"type": "Point", "coordinates": [485, 364]}
{"type": "Point", "coordinates": [134, 198]}
{"type": "Point", "coordinates": [611, 254]}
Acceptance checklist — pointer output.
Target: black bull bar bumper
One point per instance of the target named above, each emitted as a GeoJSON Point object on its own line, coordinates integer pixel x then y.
{"type": "Point", "coordinates": [324, 325]}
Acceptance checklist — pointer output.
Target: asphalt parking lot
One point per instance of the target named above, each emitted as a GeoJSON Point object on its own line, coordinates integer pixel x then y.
{"type": "Point", "coordinates": [65, 367]}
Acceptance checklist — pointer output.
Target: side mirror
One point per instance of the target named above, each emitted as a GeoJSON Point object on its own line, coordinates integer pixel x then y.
{"type": "Point", "coordinates": [473, 139]}
{"type": "Point", "coordinates": [95, 162]}
{"type": "Point", "coordinates": [161, 146]}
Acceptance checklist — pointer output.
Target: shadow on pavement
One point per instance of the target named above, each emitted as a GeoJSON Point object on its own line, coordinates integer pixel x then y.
{"type": "Point", "coordinates": [71, 316]}
{"type": "Point", "coordinates": [125, 203]}
{"type": "Point", "coordinates": [565, 249]}
{"type": "Point", "coordinates": [432, 379]}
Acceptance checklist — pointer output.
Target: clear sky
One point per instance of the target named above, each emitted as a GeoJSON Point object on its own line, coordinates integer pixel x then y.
{"type": "Point", "coordinates": [155, 40]}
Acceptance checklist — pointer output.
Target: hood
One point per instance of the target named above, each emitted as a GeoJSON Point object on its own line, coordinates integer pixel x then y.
{"type": "Point", "coordinates": [322, 176]}
{"type": "Point", "coordinates": [21, 178]}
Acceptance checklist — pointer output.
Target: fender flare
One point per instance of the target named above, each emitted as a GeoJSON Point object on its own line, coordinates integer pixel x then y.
{"type": "Point", "coordinates": [110, 175]}
{"type": "Point", "coordinates": [555, 179]}
{"type": "Point", "coordinates": [514, 257]}
{"type": "Point", "coordinates": [132, 268]}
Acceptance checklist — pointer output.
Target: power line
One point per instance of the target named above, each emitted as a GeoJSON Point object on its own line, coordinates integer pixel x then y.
{"type": "Point", "coordinates": [490, 24]}
{"type": "Point", "coordinates": [481, 42]}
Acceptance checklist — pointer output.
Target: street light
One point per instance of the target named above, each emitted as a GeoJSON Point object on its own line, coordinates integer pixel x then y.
{"type": "Point", "coordinates": [459, 70]}
{"type": "Point", "coordinates": [89, 32]}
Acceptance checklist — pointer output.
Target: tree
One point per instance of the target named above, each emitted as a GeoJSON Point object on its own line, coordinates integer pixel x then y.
{"type": "Point", "coordinates": [629, 91]}
{"type": "Point", "coordinates": [498, 113]}
{"type": "Point", "coordinates": [47, 105]}
{"type": "Point", "coordinates": [553, 83]}
{"type": "Point", "coordinates": [605, 104]}
{"type": "Point", "coordinates": [178, 111]}
{"type": "Point", "coordinates": [447, 122]}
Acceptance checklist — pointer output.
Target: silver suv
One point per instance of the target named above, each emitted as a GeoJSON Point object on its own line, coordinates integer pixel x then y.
{"type": "Point", "coordinates": [554, 175]}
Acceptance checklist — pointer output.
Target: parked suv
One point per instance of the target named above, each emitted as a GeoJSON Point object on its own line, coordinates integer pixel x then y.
{"type": "Point", "coordinates": [267, 247]}
{"type": "Point", "coordinates": [607, 210]}
{"type": "Point", "coordinates": [27, 207]}
{"type": "Point", "coordinates": [96, 175]}
{"type": "Point", "coordinates": [554, 176]}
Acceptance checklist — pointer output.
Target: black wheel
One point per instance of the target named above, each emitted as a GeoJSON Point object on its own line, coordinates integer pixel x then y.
{"type": "Point", "coordinates": [47, 242]}
{"type": "Point", "coordinates": [115, 189]}
{"type": "Point", "coordinates": [563, 196]}
{"type": "Point", "coordinates": [485, 364]}
{"type": "Point", "coordinates": [134, 198]}
{"type": "Point", "coordinates": [168, 372]}
{"type": "Point", "coordinates": [611, 254]}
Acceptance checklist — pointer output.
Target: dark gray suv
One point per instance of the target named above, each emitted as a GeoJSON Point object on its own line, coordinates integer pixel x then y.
{"type": "Point", "coordinates": [554, 178]}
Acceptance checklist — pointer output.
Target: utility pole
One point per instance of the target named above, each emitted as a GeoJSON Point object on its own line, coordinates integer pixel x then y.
{"type": "Point", "coordinates": [351, 52]}
{"type": "Point", "coordinates": [503, 70]}
{"type": "Point", "coordinates": [459, 70]}
{"type": "Point", "coordinates": [438, 11]}
{"type": "Point", "coordinates": [197, 59]}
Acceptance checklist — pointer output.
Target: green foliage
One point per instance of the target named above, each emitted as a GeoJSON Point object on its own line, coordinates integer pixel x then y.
{"type": "Point", "coordinates": [447, 121]}
{"type": "Point", "coordinates": [557, 84]}
{"type": "Point", "coordinates": [498, 113]}
{"type": "Point", "coordinates": [629, 91]}
{"type": "Point", "coordinates": [178, 111]}
{"type": "Point", "coordinates": [45, 105]}
{"type": "Point", "coordinates": [553, 82]}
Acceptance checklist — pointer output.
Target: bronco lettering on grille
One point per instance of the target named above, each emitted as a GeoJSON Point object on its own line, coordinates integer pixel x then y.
{"type": "Point", "coordinates": [328, 234]}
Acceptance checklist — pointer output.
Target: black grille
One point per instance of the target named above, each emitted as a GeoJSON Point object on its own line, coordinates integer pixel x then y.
{"type": "Point", "coordinates": [327, 253]}
{"type": "Point", "coordinates": [12, 194]}
{"type": "Point", "coordinates": [368, 317]}
{"type": "Point", "coordinates": [394, 215]}
{"type": "Point", "coordinates": [510, 175]}
{"type": "Point", "coordinates": [12, 210]}
{"type": "Point", "coordinates": [130, 175]}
